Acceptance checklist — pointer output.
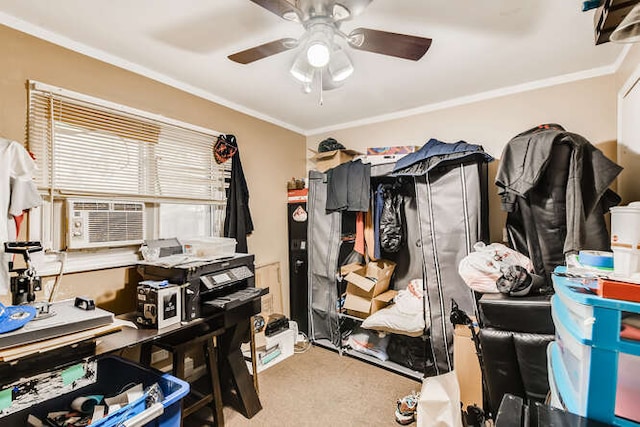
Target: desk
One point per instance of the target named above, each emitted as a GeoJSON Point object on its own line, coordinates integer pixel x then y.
{"type": "Point", "coordinates": [231, 327]}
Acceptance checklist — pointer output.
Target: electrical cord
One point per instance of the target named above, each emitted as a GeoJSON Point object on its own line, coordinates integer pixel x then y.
{"type": "Point", "coordinates": [302, 346]}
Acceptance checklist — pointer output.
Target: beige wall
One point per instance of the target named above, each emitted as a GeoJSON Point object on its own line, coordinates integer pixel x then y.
{"type": "Point", "coordinates": [628, 125]}
{"type": "Point", "coordinates": [586, 107]}
{"type": "Point", "coordinates": [270, 154]}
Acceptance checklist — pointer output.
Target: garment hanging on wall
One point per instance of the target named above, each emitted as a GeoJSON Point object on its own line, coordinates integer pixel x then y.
{"type": "Point", "coordinates": [554, 186]}
{"type": "Point", "coordinates": [18, 193]}
{"type": "Point", "coordinates": [237, 221]}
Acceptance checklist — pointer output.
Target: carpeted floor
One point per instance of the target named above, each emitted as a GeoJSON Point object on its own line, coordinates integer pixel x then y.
{"type": "Point", "coordinates": [321, 388]}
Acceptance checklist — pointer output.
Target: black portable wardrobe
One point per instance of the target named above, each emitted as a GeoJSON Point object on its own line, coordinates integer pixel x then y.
{"type": "Point", "coordinates": [445, 214]}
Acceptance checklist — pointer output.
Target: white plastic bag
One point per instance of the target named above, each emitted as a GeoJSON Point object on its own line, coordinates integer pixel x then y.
{"type": "Point", "coordinates": [439, 404]}
{"type": "Point", "coordinates": [405, 316]}
{"type": "Point", "coordinates": [484, 266]}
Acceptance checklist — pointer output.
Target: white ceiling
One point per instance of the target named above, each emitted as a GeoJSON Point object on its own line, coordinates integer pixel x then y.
{"type": "Point", "coordinates": [479, 48]}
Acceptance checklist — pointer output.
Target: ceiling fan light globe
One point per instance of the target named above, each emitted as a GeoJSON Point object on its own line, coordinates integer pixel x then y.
{"type": "Point", "coordinates": [318, 54]}
{"type": "Point", "coordinates": [340, 66]}
{"type": "Point", "coordinates": [301, 70]}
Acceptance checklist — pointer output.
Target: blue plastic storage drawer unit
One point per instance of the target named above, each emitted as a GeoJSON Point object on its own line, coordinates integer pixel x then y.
{"type": "Point", "coordinates": [595, 370]}
{"type": "Point", "coordinates": [115, 375]}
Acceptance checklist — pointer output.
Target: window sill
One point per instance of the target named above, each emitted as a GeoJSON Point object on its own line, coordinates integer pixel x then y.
{"type": "Point", "coordinates": [49, 264]}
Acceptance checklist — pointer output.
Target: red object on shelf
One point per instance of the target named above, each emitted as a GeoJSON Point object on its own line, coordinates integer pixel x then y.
{"type": "Point", "coordinates": [614, 289]}
{"type": "Point", "coordinates": [297, 195]}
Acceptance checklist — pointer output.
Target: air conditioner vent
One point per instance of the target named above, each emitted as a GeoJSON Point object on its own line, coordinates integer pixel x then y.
{"type": "Point", "coordinates": [93, 224]}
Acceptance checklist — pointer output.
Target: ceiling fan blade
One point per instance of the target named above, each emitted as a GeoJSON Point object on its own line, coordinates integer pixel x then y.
{"type": "Point", "coordinates": [282, 8]}
{"type": "Point", "coordinates": [263, 51]}
{"type": "Point", "coordinates": [392, 44]}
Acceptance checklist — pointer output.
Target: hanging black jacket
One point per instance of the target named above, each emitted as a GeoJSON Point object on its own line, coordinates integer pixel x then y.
{"type": "Point", "coordinates": [554, 186]}
{"type": "Point", "coordinates": [237, 221]}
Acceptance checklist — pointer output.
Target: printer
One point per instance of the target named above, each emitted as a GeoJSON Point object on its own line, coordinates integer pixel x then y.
{"type": "Point", "coordinates": [208, 285]}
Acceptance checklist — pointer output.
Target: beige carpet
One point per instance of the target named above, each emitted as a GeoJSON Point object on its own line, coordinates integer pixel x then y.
{"type": "Point", "coordinates": [321, 388]}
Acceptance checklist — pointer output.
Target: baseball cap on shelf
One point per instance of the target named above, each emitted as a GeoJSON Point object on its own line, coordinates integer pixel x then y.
{"type": "Point", "coordinates": [329, 144]}
{"type": "Point", "coordinates": [224, 148]}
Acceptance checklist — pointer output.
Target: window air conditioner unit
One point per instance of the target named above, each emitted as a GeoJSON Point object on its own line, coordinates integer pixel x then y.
{"type": "Point", "coordinates": [103, 223]}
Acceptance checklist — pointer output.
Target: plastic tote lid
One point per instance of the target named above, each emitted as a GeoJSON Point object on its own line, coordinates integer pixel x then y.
{"type": "Point", "coordinates": [631, 207]}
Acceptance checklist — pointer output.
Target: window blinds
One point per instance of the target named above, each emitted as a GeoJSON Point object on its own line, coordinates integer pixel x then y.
{"type": "Point", "coordinates": [87, 146]}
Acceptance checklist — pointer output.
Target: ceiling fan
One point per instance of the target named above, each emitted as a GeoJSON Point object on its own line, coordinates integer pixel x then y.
{"type": "Point", "coordinates": [322, 40]}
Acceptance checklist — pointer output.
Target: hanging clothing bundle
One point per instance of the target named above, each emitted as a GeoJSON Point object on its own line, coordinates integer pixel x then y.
{"type": "Point", "coordinates": [237, 220]}
{"type": "Point", "coordinates": [390, 222]}
{"type": "Point", "coordinates": [348, 187]}
{"type": "Point", "coordinates": [554, 186]}
{"type": "Point", "coordinates": [18, 193]}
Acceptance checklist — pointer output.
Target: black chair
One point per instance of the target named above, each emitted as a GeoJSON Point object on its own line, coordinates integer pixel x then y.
{"type": "Point", "coordinates": [514, 335]}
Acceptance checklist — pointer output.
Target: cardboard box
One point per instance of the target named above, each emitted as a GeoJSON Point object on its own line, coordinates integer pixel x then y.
{"type": "Point", "coordinates": [400, 149]}
{"type": "Point", "coordinates": [330, 159]}
{"type": "Point", "coordinates": [367, 287]}
{"type": "Point", "coordinates": [467, 367]}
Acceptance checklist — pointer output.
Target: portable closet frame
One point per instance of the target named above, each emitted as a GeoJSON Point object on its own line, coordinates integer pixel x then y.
{"type": "Point", "coordinates": [448, 210]}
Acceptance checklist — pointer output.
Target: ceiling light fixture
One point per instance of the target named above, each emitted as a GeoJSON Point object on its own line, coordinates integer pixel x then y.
{"type": "Point", "coordinates": [340, 66]}
{"type": "Point", "coordinates": [318, 54]}
{"type": "Point", "coordinates": [301, 69]}
{"type": "Point", "coordinates": [321, 58]}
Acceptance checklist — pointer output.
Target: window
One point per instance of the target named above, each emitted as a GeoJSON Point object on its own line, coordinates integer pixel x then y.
{"type": "Point", "coordinates": [94, 149]}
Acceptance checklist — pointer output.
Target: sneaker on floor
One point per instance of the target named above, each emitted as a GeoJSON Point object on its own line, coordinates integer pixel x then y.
{"type": "Point", "coordinates": [406, 409]}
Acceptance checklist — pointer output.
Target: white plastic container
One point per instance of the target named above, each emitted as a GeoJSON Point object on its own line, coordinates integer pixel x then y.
{"type": "Point", "coordinates": [575, 358]}
{"type": "Point", "coordinates": [626, 262]}
{"type": "Point", "coordinates": [204, 247]}
{"type": "Point", "coordinates": [625, 238]}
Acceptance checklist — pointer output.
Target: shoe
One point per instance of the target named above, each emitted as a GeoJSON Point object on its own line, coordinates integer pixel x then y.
{"type": "Point", "coordinates": [406, 409]}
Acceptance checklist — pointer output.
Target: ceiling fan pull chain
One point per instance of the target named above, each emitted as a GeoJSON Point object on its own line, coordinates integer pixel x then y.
{"type": "Point", "coordinates": [320, 84]}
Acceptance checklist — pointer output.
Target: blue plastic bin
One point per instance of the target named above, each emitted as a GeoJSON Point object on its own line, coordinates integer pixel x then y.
{"type": "Point", "coordinates": [594, 369]}
{"type": "Point", "coordinates": [114, 375]}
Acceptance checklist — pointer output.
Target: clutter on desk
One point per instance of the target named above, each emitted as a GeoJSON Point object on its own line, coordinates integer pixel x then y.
{"type": "Point", "coordinates": [159, 303]}
{"type": "Point", "coordinates": [14, 317]}
{"type": "Point", "coordinates": [176, 252]}
{"type": "Point", "coordinates": [206, 285]}
{"type": "Point", "coordinates": [65, 318]}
